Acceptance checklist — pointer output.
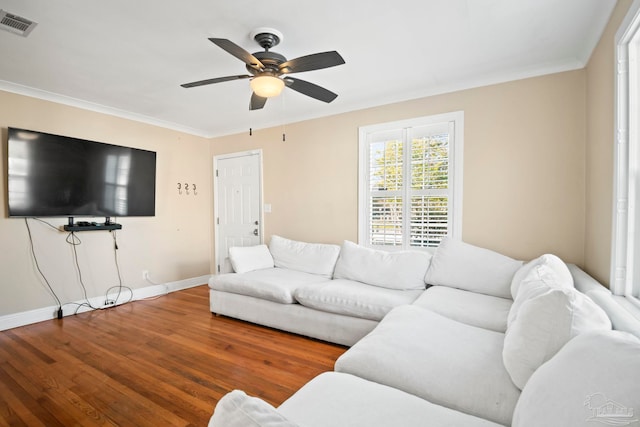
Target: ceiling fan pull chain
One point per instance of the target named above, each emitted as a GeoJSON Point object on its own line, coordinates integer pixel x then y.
{"type": "Point", "coordinates": [284, 125]}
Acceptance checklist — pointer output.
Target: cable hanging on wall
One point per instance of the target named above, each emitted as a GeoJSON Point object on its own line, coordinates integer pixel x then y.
{"type": "Point", "coordinates": [35, 260]}
{"type": "Point", "coordinates": [74, 240]}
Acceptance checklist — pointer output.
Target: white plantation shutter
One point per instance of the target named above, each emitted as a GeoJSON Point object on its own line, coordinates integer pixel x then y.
{"type": "Point", "coordinates": [407, 184]}
{"type": "Point", "coordinates": [385, 171]}
{"type": "Point", "coordinates": [429, 220]}
{"type": "Point", "coordinates": [429, 191]}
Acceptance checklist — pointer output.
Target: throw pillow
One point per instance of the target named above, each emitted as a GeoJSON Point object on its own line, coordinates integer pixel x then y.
{"type": "Point", "coordinates": [544, 324]}
{"type": "Point", "coordinates": [460, 265]}
{"type": "Point", "coordinates": [402, 270]}
{"type": "Point", "coordinates": [236, 409]}
{"type": "Point", "coordinates": [250, 258]}
{"type": "Point", "coordinates": [540, 276]}
{"type": "Point", "coordinates": [593, 380]}
{"type": "Point", "coordinates": [549, 260]}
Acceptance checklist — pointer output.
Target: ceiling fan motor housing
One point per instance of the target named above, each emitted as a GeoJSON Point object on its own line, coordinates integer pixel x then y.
{"type": "Point", "coordinates": [270, 60]}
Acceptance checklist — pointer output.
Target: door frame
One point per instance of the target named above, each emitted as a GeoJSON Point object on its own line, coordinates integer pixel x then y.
{"type": "Point", "coordinates": [216, 224]}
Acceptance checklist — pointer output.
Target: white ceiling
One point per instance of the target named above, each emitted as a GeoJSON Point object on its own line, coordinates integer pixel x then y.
{"type": "Point", "coordinates": [128, 58]}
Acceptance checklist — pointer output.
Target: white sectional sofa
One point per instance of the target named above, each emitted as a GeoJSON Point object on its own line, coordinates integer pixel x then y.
{"type": "Point", "coordinates": [492, 341]}
{"type": "Point", "coordinates": [318, 290]}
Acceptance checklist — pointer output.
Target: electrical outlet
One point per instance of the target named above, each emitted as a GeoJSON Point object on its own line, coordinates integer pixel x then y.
{"type": "Point", "coordinates": [109, 302]}
{"type": "Point", "coordinates": [145, 274]}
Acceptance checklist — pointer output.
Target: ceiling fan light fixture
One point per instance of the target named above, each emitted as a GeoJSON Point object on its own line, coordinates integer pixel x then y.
{"type": "Point", "coordinates": [267, 86]}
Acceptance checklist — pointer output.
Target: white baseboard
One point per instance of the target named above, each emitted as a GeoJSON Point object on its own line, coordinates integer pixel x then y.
{"type": "Point", "coordinates": [15, 320]}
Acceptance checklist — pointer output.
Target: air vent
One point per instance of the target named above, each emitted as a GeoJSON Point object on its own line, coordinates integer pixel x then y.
{"type": "Point", "coordinates": [16, 24]}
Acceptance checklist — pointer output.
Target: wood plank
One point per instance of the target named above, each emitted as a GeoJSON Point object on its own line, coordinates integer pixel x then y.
{"type": "Point", "coordinates": [164, 361]}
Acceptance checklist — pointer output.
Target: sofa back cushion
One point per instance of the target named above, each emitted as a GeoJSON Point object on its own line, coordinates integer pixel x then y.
{"type": "Point", "coordinates": [548, 316]}
{"type": "Point", "coordinates": [402, 270]}
{"type": "Point", "coordinates": [460, 265]}
{"type": "Point", "coordinates": [314, 258]}
{"type": "Point", "coordinates": [250, 258]}
{"type": "Point", "coordinates": [593, 380]}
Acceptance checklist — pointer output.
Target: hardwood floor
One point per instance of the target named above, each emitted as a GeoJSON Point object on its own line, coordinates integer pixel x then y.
{"type": "Point", "coordinates": [148, 363]}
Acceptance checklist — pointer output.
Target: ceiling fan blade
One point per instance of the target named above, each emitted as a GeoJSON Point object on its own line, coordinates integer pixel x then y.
{"type": "Point", "coordinates": [310, 89]}
{"type": "Point", "coordinates": [257, 102]}
{"type": "Point", "coordinates": [311, 62]}
{"type": "Point", "coordinates": [238, 52]}
{"type": "Point", "coordinates": [216, 80]}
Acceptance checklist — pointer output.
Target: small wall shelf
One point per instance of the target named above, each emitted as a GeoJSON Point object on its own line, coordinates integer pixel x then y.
{"type": "Point", "coordinates": [92, 227]}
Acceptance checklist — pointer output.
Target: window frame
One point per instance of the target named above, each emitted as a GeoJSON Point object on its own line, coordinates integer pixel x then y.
{"type": "Point", "coordinates": [456, 147]}
{"type": "Point", "coordinates": [626, 159]}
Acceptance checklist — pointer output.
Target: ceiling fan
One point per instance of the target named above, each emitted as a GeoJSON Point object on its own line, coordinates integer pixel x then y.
{"type": "Point", "coordinates": [269, 71]}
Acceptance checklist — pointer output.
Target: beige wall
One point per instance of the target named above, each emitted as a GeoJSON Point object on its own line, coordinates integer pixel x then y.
{"type": "Point", "coordinates": [600, 149]}
{"type": "Point", "coordinates": [173, 245]}
{"type": "Point", "coordinates": [537, 178]}
{"type": "Point", "coordinates": [524, 191]}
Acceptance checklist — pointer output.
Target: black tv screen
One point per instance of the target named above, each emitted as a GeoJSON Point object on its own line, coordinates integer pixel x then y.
{"type": "Point", "coordinates": [52, 175]}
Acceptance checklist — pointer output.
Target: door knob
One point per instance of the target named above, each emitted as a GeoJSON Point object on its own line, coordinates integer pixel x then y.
{"type": "Point", "coordinates": [255, 232]}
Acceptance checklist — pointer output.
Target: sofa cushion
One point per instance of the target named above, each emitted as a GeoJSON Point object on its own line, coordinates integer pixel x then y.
{"type": "Point", "coordinates": [314, 258]}
{"type": "Point", "coordinates": [551, 262]}
{"type": "Point", "coordinates": [275, 284]}
{"type": "Point", "coordinates": [544, 324]}
{"type": "Point", "coordinates": [483, 311]}
{"type": "Point", "coordinates": [250, 258]}
{"type": "Point", "coordinates": [460, 265]}
{"type": "Point", "coordinates": [394, 270]}
{"type": "Point", "coordinates": [593, 380]}
{"type": "Point", "coordinates": [335, 399]}
{"type": "Point", "coordinates": [236, 409]}
{"type": "Point", "coordinates": [439, 359]}
{"type": "Point", "coordinates": [353, 298]}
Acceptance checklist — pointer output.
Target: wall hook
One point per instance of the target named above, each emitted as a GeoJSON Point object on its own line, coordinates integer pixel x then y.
{"type": "Point", "coordinates": [179, 188]}
{"type": "Point", "coordinates": [186, 188]}
{"type": "Point", "coordinates": [194, 190]}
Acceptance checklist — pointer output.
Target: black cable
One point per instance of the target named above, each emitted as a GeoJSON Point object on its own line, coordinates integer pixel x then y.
{"type": "Point", "coordinates": [35, 259]}
{"type": "Point", "coordinates": [115, 258]}
{"type": "Point", "coordinates": [46, 223]}
{"type": "Point", "coordinates": [120, 288]}
{"type": "Point", "coordinates": [74, 241]}
{"type": "Point", "coordinates": [80, 305]}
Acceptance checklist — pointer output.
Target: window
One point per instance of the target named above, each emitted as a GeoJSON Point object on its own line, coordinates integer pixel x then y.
{"type": "Point", "coordinates": [625, 265]}
{"type": "Point", "coordinates": [410, 193]}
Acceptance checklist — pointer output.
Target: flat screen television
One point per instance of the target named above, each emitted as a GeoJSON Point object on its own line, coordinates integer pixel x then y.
{"type": "Point", "coordinates": [57, 176]}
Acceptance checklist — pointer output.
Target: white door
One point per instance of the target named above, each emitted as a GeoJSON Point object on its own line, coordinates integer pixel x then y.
{"type": "Point", "coordinates": [237, 203]}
